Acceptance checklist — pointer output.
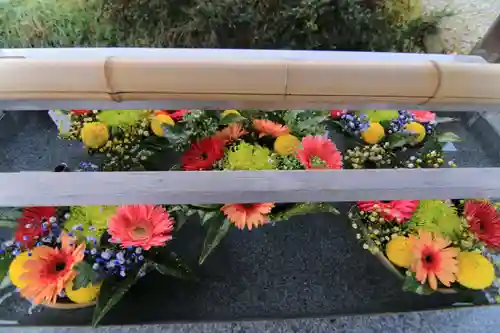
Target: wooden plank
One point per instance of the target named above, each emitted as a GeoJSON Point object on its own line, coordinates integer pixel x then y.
{"type": "Point", "coordinates": [176, 187]}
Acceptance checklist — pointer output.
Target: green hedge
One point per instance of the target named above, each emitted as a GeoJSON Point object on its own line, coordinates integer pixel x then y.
{"type": "Point", "coordinates": [261, 24]}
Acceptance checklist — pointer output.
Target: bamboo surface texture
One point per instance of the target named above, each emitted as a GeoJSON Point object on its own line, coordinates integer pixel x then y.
{"type": "Point", "coordinates": [201, 187]}
{"type": "Point", "coordinates": [281, 80]}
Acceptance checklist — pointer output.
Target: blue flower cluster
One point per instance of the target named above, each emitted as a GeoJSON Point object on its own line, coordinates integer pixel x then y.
{"type": "Point", "coordinates": [87, 167]}
{"type": "Point", "coordinates": [115, 262]}
{"type": "Point", "coordinates": [398, 124]}
{"type": "Point", "coordinates": [51, 229]}
{"type": "Point", "coordinates": [354, 124]}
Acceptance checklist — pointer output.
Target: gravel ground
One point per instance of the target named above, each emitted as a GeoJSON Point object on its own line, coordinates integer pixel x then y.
{"type": "Point", "coordinates": [471, 21]}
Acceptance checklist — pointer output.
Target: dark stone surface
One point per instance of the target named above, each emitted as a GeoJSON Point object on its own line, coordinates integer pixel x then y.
{"type": "Point", "coordinates": [306, 267]}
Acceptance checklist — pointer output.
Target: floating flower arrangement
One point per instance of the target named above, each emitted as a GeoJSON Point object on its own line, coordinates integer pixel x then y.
{"type": "Point", "coordinates": [75, 257]}
{"type": "Point", "coordinates": [434, 245]}
{"type": "Point", "coordinates": [253, 140]}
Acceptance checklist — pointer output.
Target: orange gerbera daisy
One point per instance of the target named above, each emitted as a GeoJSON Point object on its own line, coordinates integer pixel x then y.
{"type": "Point", "coordinates": [249, 215]}
{"type": "Point", "coordinates": [433, 259]}
{"type": "Point", "coordinates": [50, 269]}
{"type": "Point", "coordinates": [230, 133]}
{"type": "Point", "coordinates": [268, 127]}
{"type": "Point", "coordinates": [141, 225]}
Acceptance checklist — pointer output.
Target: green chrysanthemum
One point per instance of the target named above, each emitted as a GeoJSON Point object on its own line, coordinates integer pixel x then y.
{"type": "Point", "coordinates": [122, 118]}
{"type": "Point", "coordinates": [88, 222]}
{"type": "Point", "coordinates": [380, 115]}
{"type": "Point", "coordinates": [437, 216]}
{"type": "Point", "coordinates": [245, 156]}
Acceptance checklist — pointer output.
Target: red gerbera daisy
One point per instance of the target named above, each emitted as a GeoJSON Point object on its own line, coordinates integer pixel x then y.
{"type": "Point", "coordinates": [396, 210]}
{"type": "Point", "coordinates": [80, 111]}
{"type": "Point", "coordinates": [174, 114]}
{"type": "Point", "coordinates": [483, 221]}
{"type": "Point", "coordinates": [336, 114]}
{"type": "Point", "coordinates": [31, 225]}
{"type": "Point", "coordinates": [203, 154]}
{"type": "Point", "coordinates": [318, 152]}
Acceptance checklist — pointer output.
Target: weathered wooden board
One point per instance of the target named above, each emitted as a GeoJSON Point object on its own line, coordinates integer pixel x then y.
{"type": "Point", "coordinates": [179, 187]}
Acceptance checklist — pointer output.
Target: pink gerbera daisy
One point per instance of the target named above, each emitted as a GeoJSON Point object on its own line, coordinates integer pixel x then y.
{"type": "Point", "coordinates": [318, 152]}
{"type": "Point", "coordinates": [423, 116]}
{"type": "Point", "coordinates": [247, 215]}
{"type": "Point", "coordinates": [396, 210]}
{"type": "Point", "coordinates": [141, 225]}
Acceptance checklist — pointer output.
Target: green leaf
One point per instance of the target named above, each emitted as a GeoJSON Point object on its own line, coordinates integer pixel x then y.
{"type": "Point", "coordinates": [231, 118]}
{"type": "Point", "coordinates": [112, 292]}
{"type": "Point", "coordinates": [180, 220]}
{"type": "Point", "coordinates": [5, 261]}
{"type": "Point", "coordinates": [170, 264]}
{"type": "Point", "coordinates": [304, 209]}
{"type": "Point", "coordinates": [86, 275]}
{"type": "Point", "coordinates": [398, 140]}
{"type": "Point", "coordinates": [217, 229]}
{"type": "Point", "coordinates": [448, 137]}
{"type": "Point", "coordinates": [207, 216]}
{"type": "Point", "coordinates": [413, 285]}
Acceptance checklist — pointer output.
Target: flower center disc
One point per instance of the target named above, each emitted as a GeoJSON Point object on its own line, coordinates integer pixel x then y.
{"type": "Point", "coordinates": [60, 266]}
{"type": "Point", "coordinates": [139, 232]}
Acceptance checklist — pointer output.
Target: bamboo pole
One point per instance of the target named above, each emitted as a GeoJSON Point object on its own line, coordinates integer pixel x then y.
{"type": "Point", "coordinates": [115, 79]}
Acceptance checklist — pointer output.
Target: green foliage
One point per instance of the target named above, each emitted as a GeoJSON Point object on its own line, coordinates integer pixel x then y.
{"type": "Point", "coordinates": [303, 209]}
{"type": "Point", "coordinates": [168, 263]}
{"type": "Point", "coordinates": [437, 216]}
{"type": "Point", "coordinates": [86, 275]}
{"type": "Point", "coordinates": [54, 23]}
{"type": "Point", "coordinates": [217, 230]}
{"type": "Point", "coordinates": [264, 24]}
{"type": "Point", "coordinates": [289, 163]}
{"type": "Point", "coordinates": [413, 285]}
{"type": "Point", "coordinates": [260, 24]}
{"type": "Point", "coordinates": [195, 125]}
{"type": "Point", "coordinates": [305, 122]}
{"type": "Point", "coordinates": [113, 290]}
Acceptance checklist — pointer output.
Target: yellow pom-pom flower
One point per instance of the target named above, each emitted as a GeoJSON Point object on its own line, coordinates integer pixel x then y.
{"type": "Point", "coordinates": [373, 134]}
{"type": "Point", "coordinates": [228, 112]}
{"type": "Point", "coordinates": [16, 269]}
{"type": "Point", "coordinates": [94, 135]}
{"type": "Point", "coordinates": [286, 145]}
{"type": "Point", "coordinates": [474, 271]}
{"type": "Point", "coordinates": [418, 129]}
{"type": "Point", "coordinates": [158, 121]}
{"type": "Point", "coordinates": [398, 251]}
{"type": "Point", "coordinates": [82, 295]}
